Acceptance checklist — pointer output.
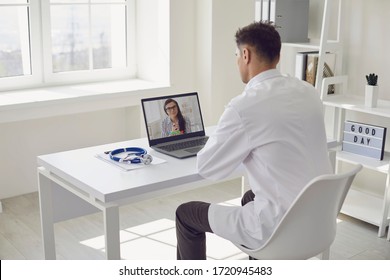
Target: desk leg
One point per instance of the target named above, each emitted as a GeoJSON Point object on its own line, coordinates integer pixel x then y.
{"type": "Point", "coordinates": [111, 230]}
{"type": "Point", "coordinates": [332, 159]}
{"type": "Point", "coordinates": [244, 184]}
{"type": "Point", "coordinates": [47, 222]}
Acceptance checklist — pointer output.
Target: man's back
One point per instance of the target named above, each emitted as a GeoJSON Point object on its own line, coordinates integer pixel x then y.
{"type": "Point", "coordinates": [283, 118]}
{"type": "Point", "coordinates": [276, 129]}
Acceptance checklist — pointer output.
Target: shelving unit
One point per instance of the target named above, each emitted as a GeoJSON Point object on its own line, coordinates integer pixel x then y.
{"type": "Point", "coordinates": [362, 204]}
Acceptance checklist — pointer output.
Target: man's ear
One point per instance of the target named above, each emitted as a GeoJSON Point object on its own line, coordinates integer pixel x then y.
{"type": "Point", "coordinates": [246, 55]}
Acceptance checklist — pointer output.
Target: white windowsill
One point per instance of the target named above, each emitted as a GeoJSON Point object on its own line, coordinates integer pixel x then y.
{"type": "Point", "coordinates": [61, 100]}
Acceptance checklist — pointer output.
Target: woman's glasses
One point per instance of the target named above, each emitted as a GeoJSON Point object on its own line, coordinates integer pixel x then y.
{"type": "Point", "coordinates": [170, 108]}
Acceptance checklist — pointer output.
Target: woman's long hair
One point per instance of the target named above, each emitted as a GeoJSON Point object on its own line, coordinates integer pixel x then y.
{"type": "Point", "coordinates": [182, 122]}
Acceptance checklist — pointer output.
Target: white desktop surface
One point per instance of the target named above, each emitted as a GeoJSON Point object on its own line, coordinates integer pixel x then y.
{"type": "Point", "coordinates": [108, 183]}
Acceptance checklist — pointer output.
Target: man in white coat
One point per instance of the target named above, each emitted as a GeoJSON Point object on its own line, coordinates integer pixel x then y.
{"type": "Point", "coordinates": [275, 129]}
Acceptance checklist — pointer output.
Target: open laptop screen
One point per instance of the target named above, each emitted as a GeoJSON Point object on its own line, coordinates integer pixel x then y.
{"type": "Point", "coordinates": [173, 117]}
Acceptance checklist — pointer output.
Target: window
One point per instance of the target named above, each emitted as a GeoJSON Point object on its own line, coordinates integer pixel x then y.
{"type": "Point", "coordinates": [14, 39]}
{"type": "Point", "coordinates": [63, 41]}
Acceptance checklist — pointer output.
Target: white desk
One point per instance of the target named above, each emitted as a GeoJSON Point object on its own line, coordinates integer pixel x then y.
{"type": "Point", "coordinates": [76, 183]}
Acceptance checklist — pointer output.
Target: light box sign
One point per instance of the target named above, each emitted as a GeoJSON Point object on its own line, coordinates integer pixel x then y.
{"type": "Point", "coordinates": [364, 139]}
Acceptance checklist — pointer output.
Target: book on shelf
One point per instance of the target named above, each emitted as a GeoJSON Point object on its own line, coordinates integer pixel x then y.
{"type": "Point", "coordinates": [301, 64]}
{"type": "Point", "coordinates": [306, 67]}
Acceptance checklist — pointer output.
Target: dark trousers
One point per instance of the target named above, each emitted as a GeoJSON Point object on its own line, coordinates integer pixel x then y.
{"type": "Point", "coordinates": [192, 223]}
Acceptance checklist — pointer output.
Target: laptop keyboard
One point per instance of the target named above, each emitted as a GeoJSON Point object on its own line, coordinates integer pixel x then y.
{"type": "Point", "coordinates": [184, 144]}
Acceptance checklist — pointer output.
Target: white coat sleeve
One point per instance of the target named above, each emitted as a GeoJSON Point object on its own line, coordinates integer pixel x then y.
{"type": "Point", "coordinates": [226, 148]}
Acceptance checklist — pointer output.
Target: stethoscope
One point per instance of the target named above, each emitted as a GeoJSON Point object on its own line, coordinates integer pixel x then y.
{"type": "Point", "coordinates": [131, 155]}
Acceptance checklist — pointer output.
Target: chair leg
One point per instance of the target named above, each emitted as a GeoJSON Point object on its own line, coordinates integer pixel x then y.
{"type": "Point", "coordinates": [325, 254]}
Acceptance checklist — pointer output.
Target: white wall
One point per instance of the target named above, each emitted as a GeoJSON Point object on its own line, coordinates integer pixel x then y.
{"type": "Point", "coordinates": [21, 142]}
{"type": "Point", "coordinates": [367, 44]}
{"type": "Point", "coordinates": [218, 79]}
{"type": "Point", "coordinates": [152, 29]}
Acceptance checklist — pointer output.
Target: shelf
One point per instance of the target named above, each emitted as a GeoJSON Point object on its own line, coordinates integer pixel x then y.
{"type": "Point", "coordinates": [356, 103]}
{"type": "Point", "coordinates": [315, 45]}
{"type": "Point", "coordinates": [332, 143]}
{"type": "Point", "coordinates": [367, 162]}
{"type": "Point", "coordinates": [363, 206]}
{"type": "Point", "coordinates": [308, 45]}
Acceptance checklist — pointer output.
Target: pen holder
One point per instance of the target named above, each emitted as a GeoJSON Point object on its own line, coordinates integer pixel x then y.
{"type": "Point", "coordinates": [371, 96]}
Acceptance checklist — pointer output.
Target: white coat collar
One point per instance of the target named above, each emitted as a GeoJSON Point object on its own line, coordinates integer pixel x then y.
{"type": "Point", "coordinates": [269, 74]}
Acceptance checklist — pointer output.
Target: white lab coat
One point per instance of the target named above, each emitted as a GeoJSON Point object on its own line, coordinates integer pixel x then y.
{"type": "Point", "coordinates": [275, 128]}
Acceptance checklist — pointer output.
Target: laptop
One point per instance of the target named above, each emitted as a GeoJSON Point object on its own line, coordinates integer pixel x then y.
{"type": "Point", "coordinates": [174, 124]}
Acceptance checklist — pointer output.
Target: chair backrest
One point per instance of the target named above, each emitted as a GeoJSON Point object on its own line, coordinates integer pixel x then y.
{"type": "Point", "coordinates": [308, 228]}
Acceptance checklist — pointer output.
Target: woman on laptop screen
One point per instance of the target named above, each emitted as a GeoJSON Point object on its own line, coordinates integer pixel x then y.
{"type": "Point", "coordinates": [175, 123]}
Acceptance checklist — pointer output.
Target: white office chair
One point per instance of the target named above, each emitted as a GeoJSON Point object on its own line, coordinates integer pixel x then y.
{"type": "Point", "coordinates": [308, 228]}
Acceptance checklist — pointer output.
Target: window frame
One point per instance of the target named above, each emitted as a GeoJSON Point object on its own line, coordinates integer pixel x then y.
{"type": "Point", "coordinates": [41, 57]}
{"type": "Point", "coordinates": [8, 83]}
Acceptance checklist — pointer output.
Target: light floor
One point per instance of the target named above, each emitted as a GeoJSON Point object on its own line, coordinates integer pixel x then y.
{"type": "Point", "coordinates": [148, 231]}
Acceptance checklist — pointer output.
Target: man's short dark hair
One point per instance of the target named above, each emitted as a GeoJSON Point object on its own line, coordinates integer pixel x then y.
{"type": "Point", "coordinates": [263, 37]}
